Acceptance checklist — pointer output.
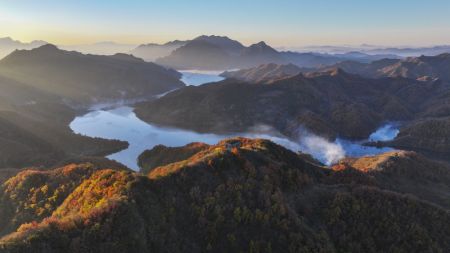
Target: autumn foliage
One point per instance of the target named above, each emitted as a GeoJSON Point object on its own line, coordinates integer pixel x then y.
{"type": "Point", "coordinates": [244, 195]}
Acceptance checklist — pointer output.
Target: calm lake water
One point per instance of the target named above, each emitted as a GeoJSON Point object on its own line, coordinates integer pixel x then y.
{"type": "Point", "coordinates": [122, 124]}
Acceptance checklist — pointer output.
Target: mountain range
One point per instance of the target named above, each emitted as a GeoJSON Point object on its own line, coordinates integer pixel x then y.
{"type": "Point", "coordinates": [8, 45]}
{"type": "Point", "coordinates": [220, 53]}
{"type": "Point", "coordinates": [309, 56]}
{"type": "Point", "coordinates": [423, 67]}
{"type": "Point", "coordinates": [411, 51]}
{"type": "Point", "coordinates": [403, 51]}
{"type": "Point", "coordinates": [420, 68]}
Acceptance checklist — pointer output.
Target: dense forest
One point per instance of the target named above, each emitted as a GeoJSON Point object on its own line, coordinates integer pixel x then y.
{"type": "Point", "coordinates": [241, 195]}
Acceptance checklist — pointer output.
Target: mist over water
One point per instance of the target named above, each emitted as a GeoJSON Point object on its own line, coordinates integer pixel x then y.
{"type": "Point", "coordinates": [322, 149]}
{"type": "Point", "coordinates": [199, 77]}
{"type": "Point", "coordinates": [385, 133]}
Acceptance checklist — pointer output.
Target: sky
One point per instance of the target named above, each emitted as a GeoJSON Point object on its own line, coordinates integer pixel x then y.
{"type": "Point", "coordinates": [287, 23]}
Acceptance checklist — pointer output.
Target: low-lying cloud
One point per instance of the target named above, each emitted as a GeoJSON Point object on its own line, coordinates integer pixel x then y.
{"type": "Point", "coordinates": [325, 151]}
{"type": "Point", "coordinates": [320, 148]}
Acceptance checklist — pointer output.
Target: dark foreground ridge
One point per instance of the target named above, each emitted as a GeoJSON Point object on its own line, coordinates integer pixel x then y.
{"type": "Point", "coordinates": [239, 195]}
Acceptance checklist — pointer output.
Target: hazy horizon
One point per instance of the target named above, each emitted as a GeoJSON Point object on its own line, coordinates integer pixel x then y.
{"type": "Point", "coordinates": [286, 24]}
{"type": "Point", "coordinates": [282, 47]}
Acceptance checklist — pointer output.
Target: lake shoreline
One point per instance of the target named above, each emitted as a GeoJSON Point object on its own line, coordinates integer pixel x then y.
{"type": "Point", "coordinates": [121, 123]}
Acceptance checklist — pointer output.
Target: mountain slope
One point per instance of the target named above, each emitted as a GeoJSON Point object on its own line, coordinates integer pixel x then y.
{"type": "Point", "coordinates": [161, 155]}
{"type": "Point", "coordinates": [259, 53]}
{"type": "Point", "coordinates": [423, 67]}
{"type": "Point", "coordinates": [232, 47]}
{"type": "Point", "coordinates": [197, 54]}
{"type": "Point", "coordinates": [405, 172]}
{"type": "Point", "coordinates": [88, 78]}
{"type": "Point", "coordinates": [238, 195]}
{"type": "Point", "coordinates": [35, 132]}
{"type": "Point", "coordinates": [215, 52]}
{"type": "Point", "coordinates": [266, 73]}
{"type": "Point", "coordinates": [38, 135]}
{"type": "Point", "coordinates": [152, 51]}
{"type": "Point", "coordinates": [33, 195]}
{"type": "Point", "coordinates": [324, 103]}
{"type": "Point", "coordinates": [432, 135]}
{"type": "Point", "coordinates": [8, 45]}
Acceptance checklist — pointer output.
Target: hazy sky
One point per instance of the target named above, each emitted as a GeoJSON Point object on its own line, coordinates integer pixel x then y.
{"type": "Point", "coordinates": [278, 22]}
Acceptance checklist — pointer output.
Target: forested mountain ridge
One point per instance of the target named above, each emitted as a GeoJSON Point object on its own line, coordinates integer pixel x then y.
{"type": "Point", "coordinates": [240, 194]}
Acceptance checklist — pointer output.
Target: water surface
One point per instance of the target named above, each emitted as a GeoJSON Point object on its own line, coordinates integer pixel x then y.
{"type": "Point", "coordinates": [122, 124]}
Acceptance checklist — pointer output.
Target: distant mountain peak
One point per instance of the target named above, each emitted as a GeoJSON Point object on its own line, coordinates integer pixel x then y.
{"type": "Point", "coordinates": [261, 45]}
{"type": "Point", "coordinates": [211, 37]}
{"type": "Point", "coordinates": [8, 39]}
{"type": "Point", "coordinates": [199, 44]}
{"type": "Point", "coordinates": [227, 44]}
{"type": "Point", "coordinates": [127, 57]}
{"type": "Point", "coordinates": [176, 42]}
{"type": "Point", "coordinates": [47, 47]}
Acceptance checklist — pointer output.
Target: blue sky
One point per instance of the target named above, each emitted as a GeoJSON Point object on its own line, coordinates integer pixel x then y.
{"type": "Point", "coordinates": [280, 23]}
